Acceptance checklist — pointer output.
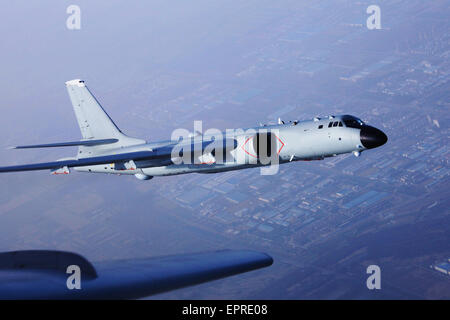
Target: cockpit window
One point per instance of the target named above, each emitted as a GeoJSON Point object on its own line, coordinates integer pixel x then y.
{"type": "Point", "coordinates": [330, 124]}
{"type": "Point", "coordinates": [340, 124]}
{"type": "Point", "coordinates": [335, 124]}
{"type": "Point", "coordinates": [352, 122]}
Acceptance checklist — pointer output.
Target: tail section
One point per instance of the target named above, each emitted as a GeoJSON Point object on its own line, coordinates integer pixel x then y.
{"type": "Point", "coordinates": [92, 119]}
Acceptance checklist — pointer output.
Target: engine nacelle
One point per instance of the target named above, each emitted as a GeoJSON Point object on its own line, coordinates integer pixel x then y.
{"type": "Point", "coordinates": [142, 176]}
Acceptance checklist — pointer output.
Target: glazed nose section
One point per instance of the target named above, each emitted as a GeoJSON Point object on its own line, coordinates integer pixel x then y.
{"type": "Point", "coordinates": [372, 137]}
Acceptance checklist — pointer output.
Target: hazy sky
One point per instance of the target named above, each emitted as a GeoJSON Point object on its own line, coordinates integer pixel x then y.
{"type": "Point", "coordinates": [120, 42]}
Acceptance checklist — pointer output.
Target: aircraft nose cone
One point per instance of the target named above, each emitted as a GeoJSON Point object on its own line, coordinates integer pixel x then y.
{"type": "Point", "coordinates": [372, 137]}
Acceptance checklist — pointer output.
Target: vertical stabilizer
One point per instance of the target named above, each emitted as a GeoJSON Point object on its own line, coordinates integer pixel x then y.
{"type": "Point", "coordinates": [93, 120]}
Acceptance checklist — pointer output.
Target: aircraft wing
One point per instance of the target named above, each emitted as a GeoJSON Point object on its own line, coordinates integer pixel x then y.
{"type": "Point", "coordinates": [42, 274]}
{"type": "Point", "coordinates": [163, 152]}
{"type": "Point", "coordinates": [140, 155]}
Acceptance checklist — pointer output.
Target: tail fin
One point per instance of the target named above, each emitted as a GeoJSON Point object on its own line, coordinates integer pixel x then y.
{"type": "Point", "coordinates": [92, 119]}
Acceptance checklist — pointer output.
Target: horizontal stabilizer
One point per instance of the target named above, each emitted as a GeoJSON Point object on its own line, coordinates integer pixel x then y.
{"type": "Point", "coordinates": [96, 142]}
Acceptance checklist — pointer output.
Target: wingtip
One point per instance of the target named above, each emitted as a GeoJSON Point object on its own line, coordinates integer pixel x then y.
{"type": "Point", "coordinates": [75, 82]}
{"type": "Point", "coordinates": [11, 148]}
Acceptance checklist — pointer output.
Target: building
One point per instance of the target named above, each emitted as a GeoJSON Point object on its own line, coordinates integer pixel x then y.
{"type": "Point", "coordinates": [443, 267]}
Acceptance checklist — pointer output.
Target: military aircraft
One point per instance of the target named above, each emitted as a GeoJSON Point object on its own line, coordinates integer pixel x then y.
{"type": "Point", "coordinates": [105, 149]}
{"type": "Point", "coordinates": [46, 274]}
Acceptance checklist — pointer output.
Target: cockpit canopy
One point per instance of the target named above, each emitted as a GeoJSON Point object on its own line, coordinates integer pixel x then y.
{"type": "Point", "coordinates": [352, 122]}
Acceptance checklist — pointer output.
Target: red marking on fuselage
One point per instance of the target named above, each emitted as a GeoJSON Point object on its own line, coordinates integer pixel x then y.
{"type": "Point", "coordinates": [282, 144]}
{"type": "Point", "coordinates": [246, 150]}
{"type": "Point", "coordinates": [279, 150]}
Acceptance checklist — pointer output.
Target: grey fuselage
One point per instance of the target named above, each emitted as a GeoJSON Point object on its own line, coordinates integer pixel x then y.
{"type": "Point", "coordinates": [293, 141]}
